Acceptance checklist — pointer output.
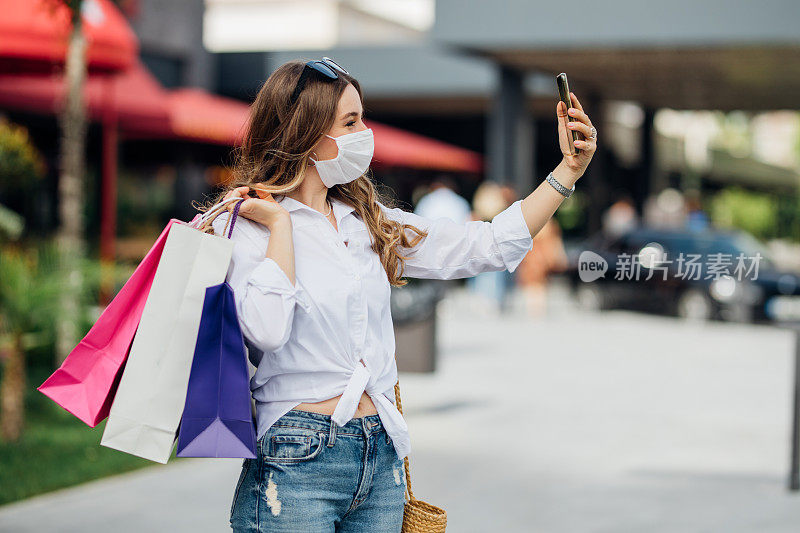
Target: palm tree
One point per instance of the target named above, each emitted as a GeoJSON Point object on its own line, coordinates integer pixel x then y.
{"type": "Point", "coordinates": [72, 183]}
{"type": "Point", "coordinates": [27, 310]}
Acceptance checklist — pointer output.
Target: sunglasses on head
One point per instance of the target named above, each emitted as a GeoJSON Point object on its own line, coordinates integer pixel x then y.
{"type": "Point", "coordinates": [326, 66]}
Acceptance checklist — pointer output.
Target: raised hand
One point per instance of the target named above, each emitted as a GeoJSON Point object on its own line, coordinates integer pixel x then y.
{"type": "Point", "coordinates": [575, 120]}
{"type": "Point", "coordinates": [264, 210]}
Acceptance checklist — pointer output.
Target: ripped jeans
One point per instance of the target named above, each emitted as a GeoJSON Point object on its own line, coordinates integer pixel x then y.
{"type": "Point", "coordinates": [313, 476]}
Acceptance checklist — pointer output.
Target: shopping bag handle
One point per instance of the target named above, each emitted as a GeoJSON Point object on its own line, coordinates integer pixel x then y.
{"type": "Point", "coordinates": [235, 216]}
{"type": "Point", "coordinates": [212, 212]}
{"type": "Point", "coordinates": [217, 210]}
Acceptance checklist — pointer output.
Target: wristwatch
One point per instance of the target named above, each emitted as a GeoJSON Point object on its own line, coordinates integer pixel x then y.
{"type": "Point", "coordinates": [560, 188]}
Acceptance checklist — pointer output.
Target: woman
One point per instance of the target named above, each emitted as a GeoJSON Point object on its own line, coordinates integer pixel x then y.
{"type": "Point", "coordinates": [313, 261]}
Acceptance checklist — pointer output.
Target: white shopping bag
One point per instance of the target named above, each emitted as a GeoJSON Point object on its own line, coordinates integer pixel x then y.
{"type": "Point", "coordinates": [149, 403]}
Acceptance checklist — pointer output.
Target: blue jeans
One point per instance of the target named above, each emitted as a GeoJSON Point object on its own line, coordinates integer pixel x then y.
{"type": "Point", "coordinates": [313, 476]}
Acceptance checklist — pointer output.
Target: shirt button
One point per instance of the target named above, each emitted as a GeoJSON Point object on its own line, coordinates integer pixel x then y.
{"type": "Point", "coordinates": [358, 277]}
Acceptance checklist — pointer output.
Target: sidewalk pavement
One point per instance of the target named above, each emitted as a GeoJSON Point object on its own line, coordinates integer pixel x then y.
{"type": "Point", "coordinates": [188, 495]}
{"type": "Point", "coordinates": [614, 422]}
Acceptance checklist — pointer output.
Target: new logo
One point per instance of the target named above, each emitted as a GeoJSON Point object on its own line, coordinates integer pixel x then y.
{"type": "Point", "coordinates": [591, 266]}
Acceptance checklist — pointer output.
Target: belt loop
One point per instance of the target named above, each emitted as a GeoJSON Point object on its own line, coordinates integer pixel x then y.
{"type": "Point", "coordinates": [332, 434]}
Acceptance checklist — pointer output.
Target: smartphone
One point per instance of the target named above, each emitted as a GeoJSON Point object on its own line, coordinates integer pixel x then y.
{"type": "Point", "coordinates": [563, 91]}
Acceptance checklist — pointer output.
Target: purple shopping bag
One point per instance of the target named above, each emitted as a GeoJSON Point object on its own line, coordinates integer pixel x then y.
{"type": "Point", "coordinates": [217, 418]}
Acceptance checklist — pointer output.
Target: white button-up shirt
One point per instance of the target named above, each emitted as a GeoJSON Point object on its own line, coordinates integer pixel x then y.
{"type": "Point", "coordinates": [331, 332]}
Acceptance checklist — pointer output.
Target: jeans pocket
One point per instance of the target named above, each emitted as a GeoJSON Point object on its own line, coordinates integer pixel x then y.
{"type": "Point", "coordinates": [292, 445]}
{"type": "Point", "coordinates": [245, 469]}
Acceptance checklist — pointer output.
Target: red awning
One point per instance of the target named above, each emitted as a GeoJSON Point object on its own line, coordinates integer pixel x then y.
{"type": "Point", "coordinates": [145, 109]}
{"type": "Point", "coordinates": [198, 115]}
{"type": "Point", "coordinates": [38, 31]}
{"type": "Point", "coordinates": [399, 148]}
{"type": "Point", "coordinates": [134, 95]}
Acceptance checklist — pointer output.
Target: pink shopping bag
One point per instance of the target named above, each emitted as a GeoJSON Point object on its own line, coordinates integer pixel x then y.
{"type": "Point", "coordinates": [87, 380]}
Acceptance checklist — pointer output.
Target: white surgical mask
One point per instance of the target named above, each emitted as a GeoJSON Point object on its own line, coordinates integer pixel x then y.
{"type": "Point", "coordinates": [353, 159]}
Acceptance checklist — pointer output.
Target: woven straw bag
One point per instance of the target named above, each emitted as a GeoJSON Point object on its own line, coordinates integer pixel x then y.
{"type": "Point", "coordinates": [418, 516]}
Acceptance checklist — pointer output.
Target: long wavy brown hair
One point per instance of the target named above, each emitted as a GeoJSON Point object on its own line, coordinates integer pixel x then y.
{"type": "Point", "coordinates": [274, 156]}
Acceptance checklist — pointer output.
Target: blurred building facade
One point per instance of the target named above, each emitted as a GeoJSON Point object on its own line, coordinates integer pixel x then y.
{"type": "Point", "coordinates": [483, 77]}
{"type": "Point", "coordinates": [159, 136]}
{"type": "Point", "coordinates": [170, 40]}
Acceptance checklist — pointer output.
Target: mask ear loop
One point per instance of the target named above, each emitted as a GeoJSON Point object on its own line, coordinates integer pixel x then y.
{"type": "Point", "coordinates": [315, 153]}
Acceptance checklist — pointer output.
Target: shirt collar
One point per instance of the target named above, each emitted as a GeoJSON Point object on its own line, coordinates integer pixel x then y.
{"type": "Point", "coordinates": [340, 209]}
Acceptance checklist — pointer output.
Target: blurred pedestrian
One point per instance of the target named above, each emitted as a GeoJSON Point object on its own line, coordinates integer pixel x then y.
{"type": "Point", "coordinates": [548, 256]}
{"type": "Point", "coordinates": [442, 200]}
{"type": "Point", "coordinates": [620, 217]}
{"type": "Point", "coordinates": [419, 190]}
{"type": "Point", "coordinates": [490, 199]}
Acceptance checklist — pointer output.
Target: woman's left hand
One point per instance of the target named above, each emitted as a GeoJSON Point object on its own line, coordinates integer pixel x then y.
{"type": "Point", "coordinates": [576, 120]}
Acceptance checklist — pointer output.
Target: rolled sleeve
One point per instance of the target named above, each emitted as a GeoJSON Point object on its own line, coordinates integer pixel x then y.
{"type": "Point", "coordinates": [267, 306]}
{"type": "Point", "coordinates": [512, 235]}
{"type": "Point", "coordinates": [265, 296]}
{"type": "Point", "coordinates": [268, 277]}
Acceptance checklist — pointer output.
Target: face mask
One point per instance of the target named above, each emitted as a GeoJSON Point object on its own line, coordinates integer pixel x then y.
{"type": "Point", "coordinates": [355, 154]}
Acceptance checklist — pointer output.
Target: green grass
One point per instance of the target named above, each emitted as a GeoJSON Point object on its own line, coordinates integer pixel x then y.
{"type": "Point", "coordinates": [56, 450]}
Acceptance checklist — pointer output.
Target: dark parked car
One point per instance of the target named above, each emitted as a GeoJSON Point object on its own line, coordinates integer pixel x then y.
{"type": "Point", "coordinates": [710, 274]}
